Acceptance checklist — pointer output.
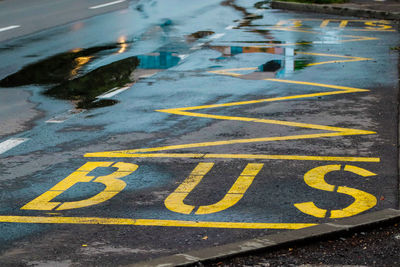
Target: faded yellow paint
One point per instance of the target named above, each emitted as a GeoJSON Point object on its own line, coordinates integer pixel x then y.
{"type": "Point", "coordinates": [150, 222]}
{"type": "Point", "coordinates": [175, 201]}
{"type": "Point", "coordinates": [315, 178]}
{"type": "Point", "coordinates": [111, 181]}
{"type": "Point", "coordinates": [323, 24]}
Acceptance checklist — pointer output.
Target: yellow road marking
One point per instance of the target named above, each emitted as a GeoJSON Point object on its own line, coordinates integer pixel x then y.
{"type": "Point", "coordinates": [353, 38]}
{"type": "Point", "coordinates": [334, 131]}
{"type": "Point", "coordinates": [150, 222]}
{"type": "Point", "coordinates": [113, 185]}
{"type": "Point", "coordinates": [175, 201]}
{"type": "Point", "coordinates": [343, 23]}
{"type": "Point", "coordinates": [231, 72]}
{"type": "Point", "coordinates": [315, 178]}
{"type": "Point", "coordinates": [374, 25]}
{"type": "Point", "coordinates": [350, 58]}
{"type": "Point", "coordinates": [229, 156]}
{"type": "Point", "coordinates": [323, 24]}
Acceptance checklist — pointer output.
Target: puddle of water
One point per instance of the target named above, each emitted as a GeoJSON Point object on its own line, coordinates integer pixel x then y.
{"type": "Point", "coordinates": [263, 5]}
{"type": "Point", "coordinates": [198, 35]}
{"type": "Point", "coordinates": [271, 69]}
{"type": "Point", "coordinates": [158, 60]}
{"type": "Point", "coordinates": [54, 69]}
{"type": "Point", "coordinates": [65, 77]}
{"type": "Point", "coordinates": [235, 50]}
{"type": "Point", "coordinates": [84, 89]}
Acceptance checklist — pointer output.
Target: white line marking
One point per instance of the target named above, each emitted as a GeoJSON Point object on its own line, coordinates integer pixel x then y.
{"type": "Point", "coordinates": [11, 143]}
{"type": "Point", "coordinates": [217, 35]}
{"type": "Point", "coordinates": [113, 92]}
{"type": "Point", "coordinates": [182, 57]}
{"type": "Point", "coordinates": [230, 27]}
{"type": "Point", "coordinates": [198, 46]}
{"type": "Point", "coordinates": [54, 120]}
{"type": "Point", "coordinates": [63, 117]}
{"type": "Point", "coordinates": [9, 28]}
{"type": "Point", "coordinates": [107, 4]}
{"type": "Point", "coordinates": [146, 75]}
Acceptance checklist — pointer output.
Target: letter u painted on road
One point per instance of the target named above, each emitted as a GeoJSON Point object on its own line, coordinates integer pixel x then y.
{"type": "Point", "coordinates": [112, 182]}
{"type": "Point", "coordinates": [175, 201]}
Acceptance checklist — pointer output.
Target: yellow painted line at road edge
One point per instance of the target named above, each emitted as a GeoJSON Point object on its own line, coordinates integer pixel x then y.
{"type": "Point", "coordinates": [229, 156]}
{"type": "Point", "coordinates": [150, 222]}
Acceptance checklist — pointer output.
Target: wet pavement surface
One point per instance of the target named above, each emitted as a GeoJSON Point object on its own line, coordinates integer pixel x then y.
{"type": "Point", "coordinates": [167, 127]}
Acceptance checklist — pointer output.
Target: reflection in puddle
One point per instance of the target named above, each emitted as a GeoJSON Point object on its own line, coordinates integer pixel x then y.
{"type": "Point", "coordinates": [272, 68]}
{"type": "Point", "coordinates": [161, 60]}
{"type": "Point", "coordinates": [84, 89]}
{"type": "Point", "coordinates": [235, 50]}
{"type": "Point", "coordinates": [198, 35]}
{"type": "Point", "coordinates": [54, 69]}
{"type": "Point", "coordinates": [64, 74]}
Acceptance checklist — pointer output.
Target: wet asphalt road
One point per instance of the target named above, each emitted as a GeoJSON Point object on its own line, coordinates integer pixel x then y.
{"type": "Point", "coordinates": [20, 18]}
{"type": "Point", "coordinates": [167, 127]}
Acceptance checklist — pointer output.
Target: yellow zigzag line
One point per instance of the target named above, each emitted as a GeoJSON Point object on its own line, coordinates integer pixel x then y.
{"type": "Point", "coordinates": [348, 58]}
{"type": "Point", "coordinates": [353, 38]}
{"type": "Point", "coordinates": [187, 111]}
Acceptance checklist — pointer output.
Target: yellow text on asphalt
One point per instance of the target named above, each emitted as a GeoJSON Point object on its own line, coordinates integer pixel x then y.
{"type": "Point", "coordinates": [112, 182]}
{"type": "Point", "coordinates": [315, 178]}
{"type": "Point", "coordinates": [174, 201]}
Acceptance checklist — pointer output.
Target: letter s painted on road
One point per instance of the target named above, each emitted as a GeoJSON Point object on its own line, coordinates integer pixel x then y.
{"type": "Point", "coordinates": [315, 178]}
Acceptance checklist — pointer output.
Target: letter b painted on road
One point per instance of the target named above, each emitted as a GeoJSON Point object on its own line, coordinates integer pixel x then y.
{"type": "Point", "coordinates": [112, 182]}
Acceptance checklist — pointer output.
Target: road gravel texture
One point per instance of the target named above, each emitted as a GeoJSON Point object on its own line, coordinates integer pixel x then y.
{"type": "Point", "coordinates": [375, 247]}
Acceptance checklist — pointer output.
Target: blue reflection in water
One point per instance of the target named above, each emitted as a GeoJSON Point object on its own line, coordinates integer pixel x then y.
{"type": "Point", "coordinates": [161, 60]}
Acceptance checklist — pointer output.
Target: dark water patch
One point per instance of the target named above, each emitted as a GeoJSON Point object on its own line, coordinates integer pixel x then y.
{"type": "Point", "coordinates": [87, 104]}
{"type": "Point", "coordinates": [263, 5]}
{"type": "Point", "coordinates": [86, 88]}
{"type": "Point", "coordinates": [55, 69]}
{"type": "Point", "coordinates": [272, 65]}
{"type": "Point", "coordinates": [282, 67]}
{"type": "Point", "coordinates": [33, 55]}
{"type": "Point", "coordinates": [61, 78]}
{"type": "Point", "coordinates": [82, 128]}
{"type": "Point", "coordinates": [247, 16]}
{"type": "Point", "coordinates": [278, 68]}
{"type": "Point", "coordinates": [198, 35]}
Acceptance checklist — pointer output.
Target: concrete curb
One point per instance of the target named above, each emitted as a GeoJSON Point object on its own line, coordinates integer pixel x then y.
{"type": "Point", "coordinates": [276, 240]}
{"type": "Point", "coordinates": [336, 10]}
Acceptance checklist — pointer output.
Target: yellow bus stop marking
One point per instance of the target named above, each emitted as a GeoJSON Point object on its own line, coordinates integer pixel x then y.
{"type": "Point", "coordinates": [150, 222]}
{"type": "Point", "coordinates": [174, 201]}
{"type": "Point", "coordinates": [330, 131]}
